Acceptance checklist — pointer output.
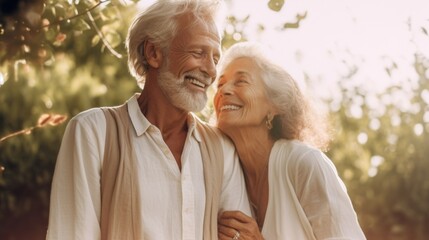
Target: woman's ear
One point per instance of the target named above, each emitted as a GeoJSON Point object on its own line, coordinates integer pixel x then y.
{"type": "Point", "coordinates": [273, 110]}
{"type": "Point", "coordinates": [153, 54]}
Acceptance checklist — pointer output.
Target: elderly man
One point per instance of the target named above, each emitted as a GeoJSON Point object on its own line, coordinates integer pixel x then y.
{"type": "Point", "coordinates": [150, 169]}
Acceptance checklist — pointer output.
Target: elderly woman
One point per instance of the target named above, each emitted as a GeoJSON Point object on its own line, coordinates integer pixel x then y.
{"type": "Point", "coordinates": [293, 186]}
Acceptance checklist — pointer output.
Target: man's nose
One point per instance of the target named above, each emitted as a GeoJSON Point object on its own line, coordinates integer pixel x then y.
{"type": "Point", "coordinates": [209, 67]}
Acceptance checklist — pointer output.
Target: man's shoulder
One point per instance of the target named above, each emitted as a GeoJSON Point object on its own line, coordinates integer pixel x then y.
{"type": "Point", "coordinates": [90, 122]}
{"type": "Point", "coordinates": [207, 128]}
{"type": "Point", "coordinates": [92, 118]}
{"type": "Point", "coordinates": [94, 113]}
{"type": "Point", "coordinates": [87, 115]}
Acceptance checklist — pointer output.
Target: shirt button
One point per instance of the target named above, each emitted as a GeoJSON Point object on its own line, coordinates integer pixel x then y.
{"type": "Point", "coordinates": [165, 150]}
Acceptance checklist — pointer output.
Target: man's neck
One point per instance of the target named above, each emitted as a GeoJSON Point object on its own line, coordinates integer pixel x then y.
{"type": "Point", "coordinates": [158, 109]}
{"type": "Point", "coordinates": [170, 120]}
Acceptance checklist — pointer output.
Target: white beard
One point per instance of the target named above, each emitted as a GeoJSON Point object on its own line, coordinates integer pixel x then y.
{"type": "Point", "coordinates": [177, 91]}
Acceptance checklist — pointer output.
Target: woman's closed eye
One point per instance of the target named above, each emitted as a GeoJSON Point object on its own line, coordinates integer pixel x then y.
{"type": "Point", "coordinates": [241, 81]}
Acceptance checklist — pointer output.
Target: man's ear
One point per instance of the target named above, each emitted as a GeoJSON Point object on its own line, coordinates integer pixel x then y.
{"type": "Point", "coordinates": [153, 54]}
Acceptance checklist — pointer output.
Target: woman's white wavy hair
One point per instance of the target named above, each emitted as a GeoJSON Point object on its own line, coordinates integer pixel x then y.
{"type": "Point", "coordinates": [296, 118]}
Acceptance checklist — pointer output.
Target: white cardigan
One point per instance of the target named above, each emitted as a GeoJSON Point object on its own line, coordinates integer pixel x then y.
{"type": "Point", "coordinates": [307, 199]}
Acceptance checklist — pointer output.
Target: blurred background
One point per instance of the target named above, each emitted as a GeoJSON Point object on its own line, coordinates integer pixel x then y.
{"type": "Point", "coordinates": [366, 62]}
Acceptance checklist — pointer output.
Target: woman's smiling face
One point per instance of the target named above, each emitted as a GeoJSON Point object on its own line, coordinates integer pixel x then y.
{"type": "Point", "coordinates": [241, 100]}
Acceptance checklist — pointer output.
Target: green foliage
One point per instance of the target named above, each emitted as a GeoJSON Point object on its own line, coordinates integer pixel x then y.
{"type": "Point", "coordinates": [38, 29]}
{"type": "Point", "coordinates": [383, 157]}
{"type": "Point", "coordinates": [234, 31]}
{"type": "Point", "coordinates": [29, 159]}
{"type": "Point", "coordinates": [299, 18]}
{"type": "Point", "coordinates": [60, 69]}
{"type": "Point", "coordinates": [276, 5]}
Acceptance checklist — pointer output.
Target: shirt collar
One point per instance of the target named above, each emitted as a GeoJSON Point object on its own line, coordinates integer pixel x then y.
{"type": "Point", "coordinates": [141, 124]}
{"type": "Point", "coordinates": [138, 120]}
{"type": "Point", "coordinates": [192, 120]}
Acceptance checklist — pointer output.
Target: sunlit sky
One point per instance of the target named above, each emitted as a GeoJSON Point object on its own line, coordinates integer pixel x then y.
{"type": "Point", "coordinates": [336, 34]}
{"type": "Point", "coordinates": [339, 34]}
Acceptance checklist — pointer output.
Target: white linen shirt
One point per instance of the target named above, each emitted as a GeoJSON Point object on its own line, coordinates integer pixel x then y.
{"type": "Point", "coordinates": [173, 201]}
{"type": "Point", "coordinates": [307, 199]}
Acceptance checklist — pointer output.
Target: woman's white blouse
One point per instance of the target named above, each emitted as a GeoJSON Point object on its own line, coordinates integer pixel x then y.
{"type": "Point", "coordinates": [307, 199]}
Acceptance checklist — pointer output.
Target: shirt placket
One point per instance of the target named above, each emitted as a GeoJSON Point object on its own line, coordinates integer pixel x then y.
{"type": "Point", "coordinates": [188, 200]}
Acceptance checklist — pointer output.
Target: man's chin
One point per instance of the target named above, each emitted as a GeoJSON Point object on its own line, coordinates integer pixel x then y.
{"type": "Point", "coordinates": [190, 102]}
{"type": "Point", "coordinates": [195, 106]}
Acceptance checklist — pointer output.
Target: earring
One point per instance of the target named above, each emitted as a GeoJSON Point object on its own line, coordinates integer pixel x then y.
{"type": "Point", "coordinates": [269, 121]}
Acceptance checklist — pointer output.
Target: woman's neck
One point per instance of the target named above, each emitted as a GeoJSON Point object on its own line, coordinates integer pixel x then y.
{"type": "Point", "coordinates": [253, 146]}
{"type": "Point", "coordinates": [254, 149]}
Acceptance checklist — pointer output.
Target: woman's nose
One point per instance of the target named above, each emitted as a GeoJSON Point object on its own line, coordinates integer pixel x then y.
{"type": "Point", "coordinates": [225, 89]}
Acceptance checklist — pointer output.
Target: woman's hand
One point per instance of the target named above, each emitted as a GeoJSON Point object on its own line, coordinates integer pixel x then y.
{"type": "Point", "coordinates": [237, 225]}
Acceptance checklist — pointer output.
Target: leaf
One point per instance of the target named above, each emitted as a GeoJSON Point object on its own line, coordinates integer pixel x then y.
{"type": "Point", "coordinates": [53, 11]}
{"type": "Point", "coordinates": [82, 25]}
{"type": "Point", "coordinates": [70, 11]}
{"type": "Point", "coordinates": [59, 39]}
{"type": "Point", "coordinates": [111, 13]}
{"type": "Point", "coordinates": [276, 5]}
{"type": "Point", "coordinates": [291, 25]}
{"type": "Point", "coordinates": [60, 11]}
{"type": "Point", "coordinates": [51, 119]}
{"type": "Point", "coordinates": [57, 119]}
{"type": "Point", "coordinates": [425, 31]}
{"type": "Point", "coordinates": [51, 34]}
{"type": "Point", "coordinates": [388, 71]}
{"type": "Point", "coordinates": [113, 38]}
{"type": "Point", "coordinates": [95, 40]}
{"type": "Point", "coordinates": [122, 2]}
{"type": "Point", "coordinates": [90, 2]}
{"type": "Point", "coordinates": [44, 119]}
{"type": "Point", "coordinates": [299, 18]}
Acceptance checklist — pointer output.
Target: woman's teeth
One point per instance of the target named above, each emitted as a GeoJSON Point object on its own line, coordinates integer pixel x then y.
{"type": "Point", "coordinates": [229, 107]}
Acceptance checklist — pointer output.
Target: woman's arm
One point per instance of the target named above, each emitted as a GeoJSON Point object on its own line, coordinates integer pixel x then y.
{"type": "Point", "coordinates": [324, 198]}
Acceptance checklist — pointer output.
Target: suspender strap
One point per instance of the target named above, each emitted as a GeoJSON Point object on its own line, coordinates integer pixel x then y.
{"type": "Point", "coordinates": [120, 197]}
{"type": "Point", "coordinates": [212, 155]}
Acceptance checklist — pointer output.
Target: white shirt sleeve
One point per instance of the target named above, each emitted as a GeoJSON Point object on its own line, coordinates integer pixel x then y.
{"type": "Point", "coordinates": [234, 194]}
{"type": "Point", "coordinates": [324, 198]}
{"type": "Point", "coordinates": [75, 196]}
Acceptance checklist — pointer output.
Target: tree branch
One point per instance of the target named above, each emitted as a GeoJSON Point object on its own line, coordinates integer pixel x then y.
{"type": "Point", "coordinates": [103, 38]}
{"type": "Point", "coordinates": [75, 16]}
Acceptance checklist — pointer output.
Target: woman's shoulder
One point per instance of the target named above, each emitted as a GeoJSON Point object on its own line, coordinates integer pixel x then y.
{"type": "Point", "coordinates": [294, 153]}
{"type": "Point", "coordinates": [294, 148]}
